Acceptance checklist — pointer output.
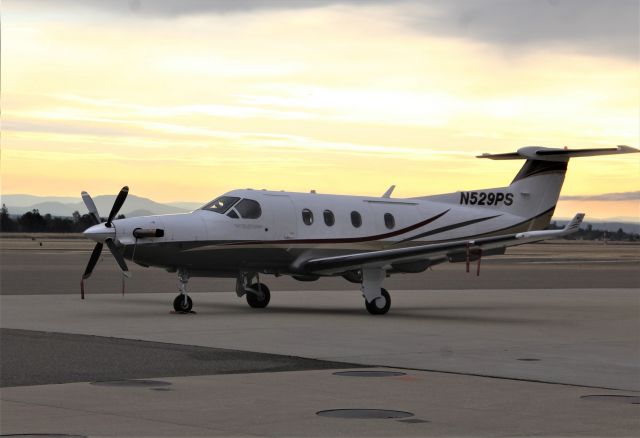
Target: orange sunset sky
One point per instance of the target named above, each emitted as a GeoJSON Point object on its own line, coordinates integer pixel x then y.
{"type": "Point", "coordinates": [183, 100]}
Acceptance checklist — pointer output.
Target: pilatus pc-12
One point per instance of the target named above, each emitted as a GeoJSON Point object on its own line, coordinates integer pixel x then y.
{"type": "Point", "coordinates": [245, 233]}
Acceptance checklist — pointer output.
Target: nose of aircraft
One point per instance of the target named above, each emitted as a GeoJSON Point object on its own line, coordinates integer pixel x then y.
{"type": "Point", "coordinates": [100, 232]}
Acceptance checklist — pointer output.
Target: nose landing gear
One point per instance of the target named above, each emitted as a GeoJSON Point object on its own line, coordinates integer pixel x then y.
{"type": "Point", "coordinates": [183, 303]}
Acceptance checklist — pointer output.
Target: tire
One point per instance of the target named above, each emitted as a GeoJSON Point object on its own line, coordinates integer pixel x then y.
{"type": "Point", "coordinates": [373, 309]}
{"type": "Point", "coordinates": [256, 302]}
{"type": "Point", "coordinates": [179, 306]}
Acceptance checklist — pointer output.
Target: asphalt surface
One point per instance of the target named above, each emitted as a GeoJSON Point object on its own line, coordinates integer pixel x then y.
{"type": "Point", "coordinates": [545, 342]}
{"type": "Point", "coordinates": [26, 268]}
{"type": "Point", "coordinates": [41, 358]}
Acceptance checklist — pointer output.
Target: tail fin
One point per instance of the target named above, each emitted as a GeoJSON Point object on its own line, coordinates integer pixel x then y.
{"type": "Point", "coordinates": [536, 188]}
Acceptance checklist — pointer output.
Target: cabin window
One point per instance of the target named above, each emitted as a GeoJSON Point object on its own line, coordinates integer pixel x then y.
{"type": "Point", "coordinates": [221, 204]}
{"type": "Point", "coordinates": [329, 218]}
{"type": "Point", "coordinates": [356, 219]}
{"type": "Point", "coordinates": [307, 216]}
{"type": "Point", "coordinates": [389, 220]}
{"type": "Point", "coordinates": [248, 209]}
{"type": "Point", "coordinates": [233, 214]}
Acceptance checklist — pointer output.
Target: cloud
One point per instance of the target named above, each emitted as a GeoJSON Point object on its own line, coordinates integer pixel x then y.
{"type": "Point", "coordinates": [593, 26]}
{"type": "Point", "coordinates": [599, 27]}
{"type": "Point", "coordinates": [624, 196]}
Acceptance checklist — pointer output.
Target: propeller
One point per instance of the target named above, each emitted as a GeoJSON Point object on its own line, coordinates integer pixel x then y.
{"type": "Point", "coordinates": [106, 233]}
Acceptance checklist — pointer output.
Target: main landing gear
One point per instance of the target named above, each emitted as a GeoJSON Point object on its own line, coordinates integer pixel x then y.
{"type": "Point", "coordinates": [256, 293]}
{"type": "Point", "coordinates": [376, 298]}
{"type": "Point", "coordinates": [183, 303]}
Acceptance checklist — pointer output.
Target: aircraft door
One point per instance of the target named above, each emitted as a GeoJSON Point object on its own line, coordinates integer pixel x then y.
{"type": "Point", "coordinates": [283, 217]}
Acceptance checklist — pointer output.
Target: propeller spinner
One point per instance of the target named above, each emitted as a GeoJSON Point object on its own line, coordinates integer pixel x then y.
{"type": "Point", "coordinates": [103, 233]}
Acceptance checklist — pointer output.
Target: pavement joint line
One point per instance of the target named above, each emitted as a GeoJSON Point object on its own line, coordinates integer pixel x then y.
{"type": "Point", "coordinates": [112, 414]}
{"type": "Point", "coordinates": [516, 379]}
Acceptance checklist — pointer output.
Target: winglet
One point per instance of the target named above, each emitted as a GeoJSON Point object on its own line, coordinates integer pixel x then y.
{"type": "Point", "coordinates": [389, 191]}
{"type": "Point", "coordinates": [573, 225]}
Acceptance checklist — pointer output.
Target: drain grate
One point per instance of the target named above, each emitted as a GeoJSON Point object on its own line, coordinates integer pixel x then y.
{"type": "Point", "coordinates": [132, 383]}
{"type": "Point", "coordinates": [44, 435]}
{"type": "Point", "coordinates": [612, 398]}
{"type": "Point", "coordinates": [369, 373]}
{"type": "Point", "coordinates": [413, 421]}
{"type": "Point", "coordinates": [366, 414]}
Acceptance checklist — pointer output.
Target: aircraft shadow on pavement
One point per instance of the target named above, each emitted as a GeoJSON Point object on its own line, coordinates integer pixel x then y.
{"type": "Point", "coordinates": [484, 314]}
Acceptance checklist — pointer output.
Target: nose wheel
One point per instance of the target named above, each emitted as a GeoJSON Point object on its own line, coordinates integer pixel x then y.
{"type": "Point", "coordinates": [182, 303]}
{"type": "Point", "coordinates": [380, 305]}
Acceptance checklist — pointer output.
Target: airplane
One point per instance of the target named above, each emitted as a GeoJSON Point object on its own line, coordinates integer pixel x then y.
{"type": "Point", "coordinates": [247, 233]}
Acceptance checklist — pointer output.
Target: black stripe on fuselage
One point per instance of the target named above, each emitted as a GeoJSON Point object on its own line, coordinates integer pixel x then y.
{"type": "Point", "coordinates": [448, 228]}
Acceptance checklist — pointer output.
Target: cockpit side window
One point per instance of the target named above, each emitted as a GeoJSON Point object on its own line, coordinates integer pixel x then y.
{"type": "Point", "coordinates": [221, 204]}
{"type": "Point", "coordinates": [248, 209]}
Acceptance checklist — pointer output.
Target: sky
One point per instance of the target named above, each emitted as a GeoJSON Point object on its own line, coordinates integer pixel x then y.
{"type": "Point", "coordinates": [184, 100]}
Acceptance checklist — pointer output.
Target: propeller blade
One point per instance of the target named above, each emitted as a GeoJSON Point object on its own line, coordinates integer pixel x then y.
{"type": "Point", "coordinates": [91, 206]}
{"type": "Point", "coordinates": [95, 255]}
{"type": "Point", "coordinates": [119, 259]}
{"type": "Point", "coordinates": [117, 204]}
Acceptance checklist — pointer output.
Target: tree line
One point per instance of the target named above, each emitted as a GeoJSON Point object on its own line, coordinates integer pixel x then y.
{"type": "Point", "coordinates": [34, 222]}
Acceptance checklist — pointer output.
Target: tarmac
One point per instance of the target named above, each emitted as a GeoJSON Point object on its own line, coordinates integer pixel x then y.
{"type": "Point", "coordinates": [539, 354]}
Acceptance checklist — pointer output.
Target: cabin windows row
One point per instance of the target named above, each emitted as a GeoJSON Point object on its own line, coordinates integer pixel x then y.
{"type": "Point", "coordinates": [356, 218]}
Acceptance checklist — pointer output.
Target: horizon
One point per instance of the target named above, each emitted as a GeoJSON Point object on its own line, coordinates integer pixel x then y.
{"type": "Point", "coordinates": [193, 99]}
{"type": "Point", "coordinates": [566, 208]}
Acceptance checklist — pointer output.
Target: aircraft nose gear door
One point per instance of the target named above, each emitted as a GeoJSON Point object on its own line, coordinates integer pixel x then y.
{"type": "Point", "coordinates": [283, 217]}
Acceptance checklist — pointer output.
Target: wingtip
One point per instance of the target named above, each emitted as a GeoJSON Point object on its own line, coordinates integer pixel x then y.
{"type": "Point", "coordinates": [627, 149]}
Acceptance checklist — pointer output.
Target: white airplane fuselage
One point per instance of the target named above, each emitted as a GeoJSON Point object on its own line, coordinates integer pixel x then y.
{"type": "Point", "coordinates": [207, 243]}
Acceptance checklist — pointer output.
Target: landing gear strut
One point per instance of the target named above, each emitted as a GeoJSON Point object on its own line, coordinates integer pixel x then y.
{"type": "Point", "coordinates": [256, 293]}
{"type": "Point", "coordinates": [183, 303]}
{"type": "Point", "coordinates": [376, 298]}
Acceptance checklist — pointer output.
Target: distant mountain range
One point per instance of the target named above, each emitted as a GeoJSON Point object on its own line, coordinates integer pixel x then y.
{"type": "Point", "coordinates": [138, 206]}
{"type": "Point", "coordinates": [65, 206]}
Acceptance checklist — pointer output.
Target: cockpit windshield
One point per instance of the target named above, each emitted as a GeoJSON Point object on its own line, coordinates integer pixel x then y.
{"type": "Point", "coordinates": [221, 204]}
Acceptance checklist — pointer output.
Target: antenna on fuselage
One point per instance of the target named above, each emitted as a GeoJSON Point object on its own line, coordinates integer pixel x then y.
{"type": "Point", "coordinates": [389, 191]}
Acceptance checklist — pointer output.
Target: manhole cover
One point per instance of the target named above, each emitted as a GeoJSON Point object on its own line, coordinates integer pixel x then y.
{"type": "Point", "coordinates": [529, 359]}
{"type": "Point", "coordinates": [628, 399]}
{"type": "Point", "coordinates": [364, 413]}
{"type": "Point", "coordinates": [132, 383]}
{"type": "Point", "coordinates": [369, 373]}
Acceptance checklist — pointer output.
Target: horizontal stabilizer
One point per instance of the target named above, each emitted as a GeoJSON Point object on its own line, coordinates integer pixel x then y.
{"type": "Point", "coordinates": [557, 154]}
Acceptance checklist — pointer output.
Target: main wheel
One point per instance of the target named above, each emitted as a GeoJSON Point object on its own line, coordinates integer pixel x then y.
{"type": "Point", "coordinates": [384, 301]}
{"type": "Point", "coordinates": [180, 306]}
{"type": "Point", "coordinates": [256, 301]}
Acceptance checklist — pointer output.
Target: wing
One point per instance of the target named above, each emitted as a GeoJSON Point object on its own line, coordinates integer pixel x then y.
{"type": "Point", "coordinates": [337, 264]}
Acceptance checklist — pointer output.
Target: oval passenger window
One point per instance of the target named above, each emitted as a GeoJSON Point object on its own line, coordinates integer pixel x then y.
{"type": "Point", "coordinates": [329, 219]}
{"type": "Point", "coordinates": [307, 216]}
{"type": "Point", "coordinates": [389, 220]}
{"type": "Point", "coordinates": [356, 219]}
